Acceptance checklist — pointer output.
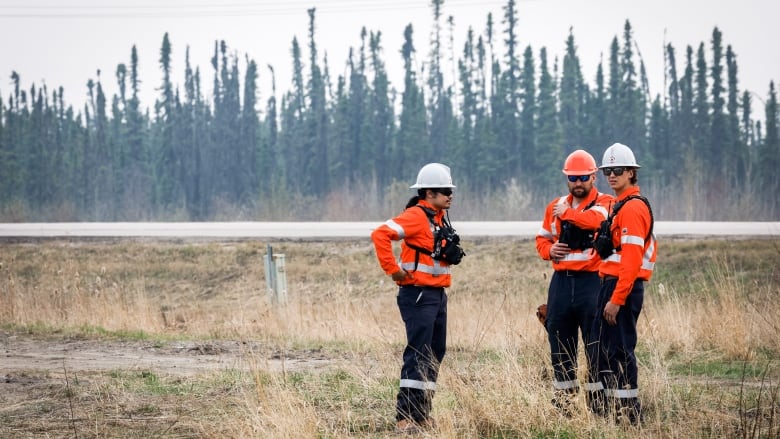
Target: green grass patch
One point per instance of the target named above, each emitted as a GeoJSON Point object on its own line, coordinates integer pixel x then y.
{"type": "Point", "coordinates": [150, 383]}
{"type": "Point", "coordinates": [721, 369]}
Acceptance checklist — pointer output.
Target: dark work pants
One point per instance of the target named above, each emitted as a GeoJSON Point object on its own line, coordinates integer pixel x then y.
{"type": "Point", "coordinates": [613, 362]}
{"type": "Point", "coordinates": [424, 312]}
{"type": "Point", "coordinates": [571, 300]}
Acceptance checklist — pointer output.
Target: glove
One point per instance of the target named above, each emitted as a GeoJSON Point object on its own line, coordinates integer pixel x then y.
{"type": "Point", "coordinates": [541, 314]}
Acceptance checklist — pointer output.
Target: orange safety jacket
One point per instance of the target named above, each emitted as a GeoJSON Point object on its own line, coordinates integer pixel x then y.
{"type": "Point", "coordinates": [590, 219]}
{"type": "Point", "coordinates": [634, 256]}
{"type": "Point", "coordinates": [413, 227]}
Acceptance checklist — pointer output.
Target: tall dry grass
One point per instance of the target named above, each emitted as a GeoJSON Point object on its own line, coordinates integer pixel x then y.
{"type": "Point", "coordinates": [708, 333]}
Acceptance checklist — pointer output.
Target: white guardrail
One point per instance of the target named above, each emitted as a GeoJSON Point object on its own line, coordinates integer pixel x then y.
{"type": "Point", "coordinates": [298, 230]}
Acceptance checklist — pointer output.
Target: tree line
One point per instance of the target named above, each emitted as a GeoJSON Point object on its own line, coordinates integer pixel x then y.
{"type": "Point", "coordinates": [504, 123]}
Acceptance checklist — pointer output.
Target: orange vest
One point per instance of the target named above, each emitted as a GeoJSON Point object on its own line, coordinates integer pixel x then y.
{"type": "Point", "coordinates": [634, 257]}
{"type": "Point", "coordinates": [590, 219]}
{"type": "Point", "coordinates": [413, 227]}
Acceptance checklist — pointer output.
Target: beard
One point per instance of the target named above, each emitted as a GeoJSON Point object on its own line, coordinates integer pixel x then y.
{"type": "Point", "coordinates": [580, 191]}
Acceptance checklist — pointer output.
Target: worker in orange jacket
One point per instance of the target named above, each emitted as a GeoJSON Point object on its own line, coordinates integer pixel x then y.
{"type": "Point", "coordinates": [566, 239]}
{"type": "Point", "coordinates": [422, 299]}
{"type": "Point", "coordinates": [626, 265]}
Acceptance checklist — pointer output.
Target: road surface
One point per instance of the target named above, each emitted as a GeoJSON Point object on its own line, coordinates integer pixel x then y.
{"type": "Point", "coordinates": [298, 230]}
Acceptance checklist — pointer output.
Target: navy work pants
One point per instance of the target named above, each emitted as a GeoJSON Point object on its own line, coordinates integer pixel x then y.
{"type": "Point", "coordinates": [611, 353]}
{"type": "Point", "coordinates": [424, 312]}
{"type": "Point", "coordinates": [571, 300]}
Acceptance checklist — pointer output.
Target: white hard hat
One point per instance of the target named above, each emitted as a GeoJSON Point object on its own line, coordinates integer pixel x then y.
{"type": "Point", "coordinates": [618, 155]}
{"type": "Point", "coordinates": [433, 175]}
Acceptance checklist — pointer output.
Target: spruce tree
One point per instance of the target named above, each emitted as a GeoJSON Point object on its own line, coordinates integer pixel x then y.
{"type": "Point", "coordinates": [528, 112]}
{"type": "Point", "coordinates": [549, 148]}
{"type": "Point", "coordinates": [736, 152]}
{"type": "Point", "coordinates": [163, 155]}
{"type": "Point", "coordinates": [702, 120]}
{"type": "Point", "coordinates": [769, 155]}
{"type": "Point", "coordinates": [315, 163]}
{"type": "Point", "coordinates": [572, 98]}
{"type": "Point", "coordinates": [413, 145]}
{"type": "Point", "coordinates": [381, 115]}
{"type": "Point", "coordinates": [721, 150]}
{"type": "Point", "coordinates": [512, 152]}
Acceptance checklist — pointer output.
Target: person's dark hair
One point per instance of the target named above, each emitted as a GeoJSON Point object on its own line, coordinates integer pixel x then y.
{"type": "Point", "coordinates": [635, 177]}
{"type": "Point", "coordinates": [416, 199]}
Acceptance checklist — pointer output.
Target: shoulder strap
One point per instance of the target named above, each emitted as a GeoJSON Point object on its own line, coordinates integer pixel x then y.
{"type": "Point", "coordinates": [620, 204]}
{"type": "Point", "coordinates": [430, 214]}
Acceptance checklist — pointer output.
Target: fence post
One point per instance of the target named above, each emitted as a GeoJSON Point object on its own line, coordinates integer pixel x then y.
{"type": "Point", "coordinates": [275, 276]}
{"type": "Point", "coordinates": [280, 277]}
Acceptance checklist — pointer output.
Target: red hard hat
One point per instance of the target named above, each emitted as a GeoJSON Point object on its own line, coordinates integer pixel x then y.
{"type": "Point", "coordinates": [579, 163]}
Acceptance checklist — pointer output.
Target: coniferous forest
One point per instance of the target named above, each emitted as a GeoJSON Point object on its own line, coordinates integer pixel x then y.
{"type": "Point", "coordinates": [347, 147]}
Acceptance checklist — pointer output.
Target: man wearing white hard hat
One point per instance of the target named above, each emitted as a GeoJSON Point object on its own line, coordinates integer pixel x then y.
{"type": "Point", "coordinates": [628, 250]}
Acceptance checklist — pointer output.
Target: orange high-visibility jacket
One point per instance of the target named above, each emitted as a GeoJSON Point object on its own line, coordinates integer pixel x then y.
{"type": "Point", "coordinates": [413, 227]}
{"type": "Point", "coordinates": [634, 257]}
{"type": "Point", "coordinates": [590, 219]}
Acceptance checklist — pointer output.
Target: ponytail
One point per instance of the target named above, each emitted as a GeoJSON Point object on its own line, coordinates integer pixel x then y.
{"type": "Point", "coordinates": [416, 199]}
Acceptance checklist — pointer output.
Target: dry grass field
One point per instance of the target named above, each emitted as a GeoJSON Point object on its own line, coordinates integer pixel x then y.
{"type": "Point", "coordinates": [174, 339]}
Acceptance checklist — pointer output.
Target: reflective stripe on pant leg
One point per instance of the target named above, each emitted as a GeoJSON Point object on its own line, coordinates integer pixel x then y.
{"type": "Point", "coordinates": [586, 295]}
{"type": "Point", "coordinates": [419, 308]}
{"type": "Point", "coordinates": [624, 339]}
{"type": "Point", "coordinates": [597, 359]}
{"type": "Point", "coordinates": [562, 332]}
{"type": "Point", "coordinates": [439, 337]}
{"type": "Point", "coordinates": [617, 363]}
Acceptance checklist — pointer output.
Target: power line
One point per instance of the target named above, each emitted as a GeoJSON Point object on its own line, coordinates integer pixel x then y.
{"type": "Point", "coordinates": [355, 4]}
{"type": "Point", "coordinates": [288, 7]}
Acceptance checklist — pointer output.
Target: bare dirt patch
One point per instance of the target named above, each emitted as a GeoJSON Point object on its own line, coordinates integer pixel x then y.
{"type": "Point", "coordinates": [55, 354]}
{"type": "Point", "coordinates": [57, 386]}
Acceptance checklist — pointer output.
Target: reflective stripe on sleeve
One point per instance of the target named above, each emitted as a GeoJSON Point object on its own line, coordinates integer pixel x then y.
{"type": "Point", "coordinates": [396, 228]}
{"type": "Point", "coordinates": [601, 210]}
{"type": "Point", "coordinates": [632, 239]}
{"type": "Point", "coordinates": [544, 233]}
{"type": "Point", "coordinates": [415, 384]}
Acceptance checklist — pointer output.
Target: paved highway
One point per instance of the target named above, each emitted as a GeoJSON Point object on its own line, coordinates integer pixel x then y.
{"type": "Point", "coordinates": [299, 230]}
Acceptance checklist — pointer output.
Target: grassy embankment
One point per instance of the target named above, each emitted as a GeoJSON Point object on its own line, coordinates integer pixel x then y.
{"type": "Point", "coordinates": [708, 349]}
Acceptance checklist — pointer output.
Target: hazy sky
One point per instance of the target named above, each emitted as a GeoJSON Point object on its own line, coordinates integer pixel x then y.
{"type": "Point", "coordinates": [65, 42]}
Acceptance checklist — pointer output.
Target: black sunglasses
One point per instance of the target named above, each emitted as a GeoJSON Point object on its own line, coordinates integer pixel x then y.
{"type": "Point", "coordinates": [617, 171]}
{"type": "Point", "coordinates": [444, 191]}
{"type": "Point", "coordinates": [575, 178]}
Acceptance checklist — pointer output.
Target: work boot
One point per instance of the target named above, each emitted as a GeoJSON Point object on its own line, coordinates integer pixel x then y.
{"type": "Point", "coordinates": [565, 402]}
{"type": "Point", "coordinates": [428, 424]}
{"type": "Point", "coordinates": [629, 413]}
{"type": "Point", "coordinates": [407, 426]}
{"type": "Point", "coordinates": [597, 402]}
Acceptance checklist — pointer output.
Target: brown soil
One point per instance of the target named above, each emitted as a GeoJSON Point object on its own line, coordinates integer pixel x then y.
{"type": "Point", "coordinates": [60, 355]}
{"type": "Point", "coordinates": [54, 386]}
